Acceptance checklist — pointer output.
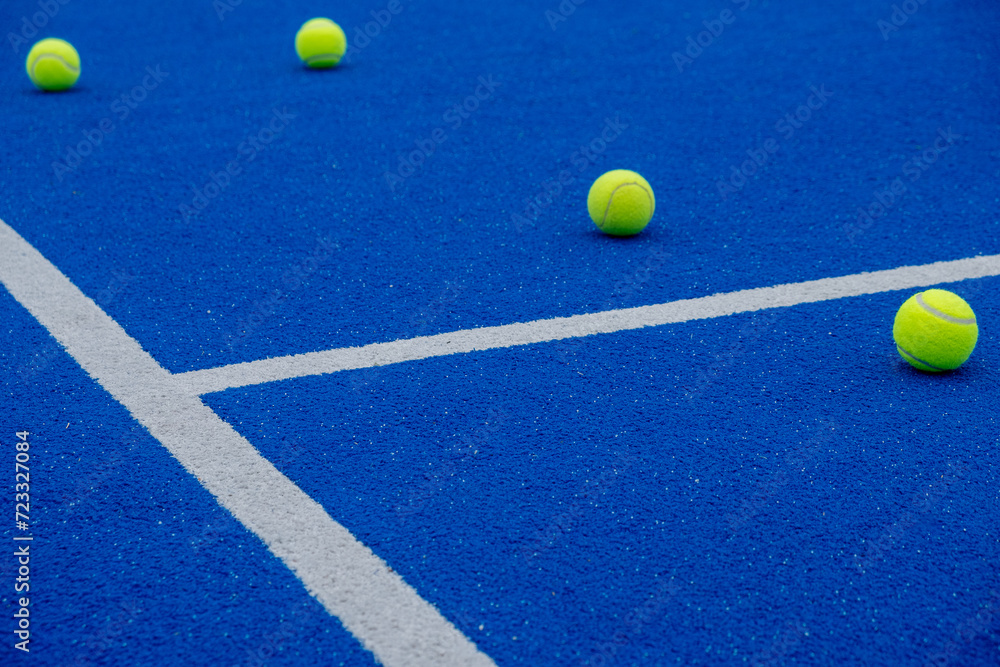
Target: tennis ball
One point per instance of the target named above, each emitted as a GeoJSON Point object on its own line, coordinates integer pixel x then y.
{"type": "Point", "coordinates": [320, 43]}
{"type": "Point", "coordinates": [53, 64]}
{"type": "Point", "coordinates": [621, 203]}
{"type": "Point", "coordinates": [935, 331]}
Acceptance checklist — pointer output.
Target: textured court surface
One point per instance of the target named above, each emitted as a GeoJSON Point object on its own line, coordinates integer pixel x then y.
{"type": "Point", "coordinates": [763, 488]}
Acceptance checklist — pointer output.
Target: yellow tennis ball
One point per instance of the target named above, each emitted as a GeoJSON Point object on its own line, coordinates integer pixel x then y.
{"type": "Point", "coordinates": [935, 331]}
{"type": "Point", "coordinates": [320, 43]}
{"type": "Point", "coordinates": [53, 64]}
{"type": "Point", "coordinates": [621, 203]}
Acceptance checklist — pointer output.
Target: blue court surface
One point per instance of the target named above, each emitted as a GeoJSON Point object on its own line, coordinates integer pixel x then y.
{"type": "Point", "coordinates": [331, 367]}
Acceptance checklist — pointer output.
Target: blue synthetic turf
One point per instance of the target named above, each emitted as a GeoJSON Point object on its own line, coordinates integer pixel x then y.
{"type": "Point", "coordinates": [133, 562]}
{"type": "Point", "coordinates": [192, 289]}
{"type": "Point", "coordinates": [581, 506]}
{"type": "Point", "coordinates": [839, 507]}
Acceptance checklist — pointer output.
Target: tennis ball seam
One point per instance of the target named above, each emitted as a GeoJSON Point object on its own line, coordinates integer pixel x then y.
{"type": "Point", "coordinates": [917, 359]}
{"type": "Point", "coordinates": [323, 56]}
{"type": "Point", "coordinates": [935, 331]}
{"type": "Point", "coordinates": [944, 316]}
{"type": "Point", "coordinates": [321, 33]}
{"type": "Point", "coordinates": [53, 56]}
{"type": "Point", "coordinates": [611, 198]}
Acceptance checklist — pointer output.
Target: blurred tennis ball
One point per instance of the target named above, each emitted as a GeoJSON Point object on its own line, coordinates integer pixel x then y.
{"type": "Point", "coordinates": [53, 64]}
{"type": "Point", "coordinates": [320, 43]}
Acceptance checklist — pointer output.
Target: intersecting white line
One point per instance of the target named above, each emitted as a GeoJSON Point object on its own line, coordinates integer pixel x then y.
{"type": "Point", "coordinates": [540, 331]}
{"type": "Point", "coordinates": [374, 603]}
{"type": "Point", "coordinates": [381, 610]}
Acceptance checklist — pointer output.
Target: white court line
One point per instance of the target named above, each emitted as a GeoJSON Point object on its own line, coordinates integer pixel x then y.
{"type": "Point", "coordinates": [380, 609]}
{"type": "Point", "coordinates": [541, 331]}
